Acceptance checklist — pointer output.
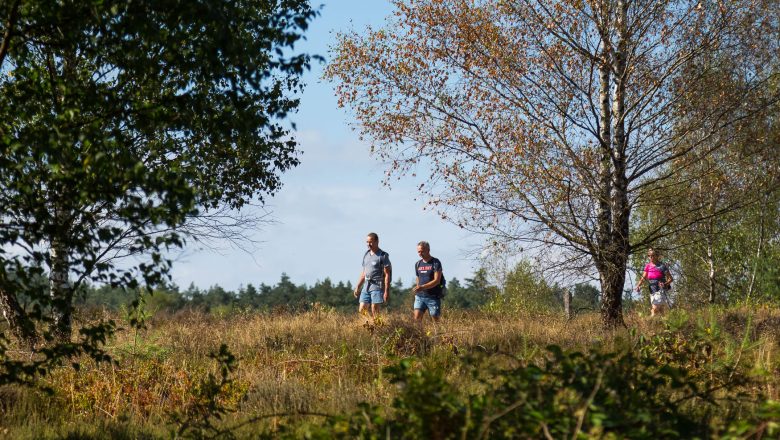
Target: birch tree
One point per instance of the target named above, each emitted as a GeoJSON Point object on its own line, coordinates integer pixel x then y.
{"type": "Point", "coordinates": [121, 121]}
{"type": "Point", "coordinates": [545, 123]}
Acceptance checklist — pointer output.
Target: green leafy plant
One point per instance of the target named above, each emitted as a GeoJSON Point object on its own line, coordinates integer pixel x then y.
{"type": "Point", "coordinates": [651, 389]}
{"type": "Point", "coordinates": [211, 401]}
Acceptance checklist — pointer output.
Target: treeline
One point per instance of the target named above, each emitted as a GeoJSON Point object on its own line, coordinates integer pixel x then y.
{"type": "Point", "coordinates": [522, 290]}
{"type": "Point", "coordinates": [285, 295]}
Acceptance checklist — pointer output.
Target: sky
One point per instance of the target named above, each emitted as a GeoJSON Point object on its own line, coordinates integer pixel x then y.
{"type": "Point", "coordinates": [334, 197]}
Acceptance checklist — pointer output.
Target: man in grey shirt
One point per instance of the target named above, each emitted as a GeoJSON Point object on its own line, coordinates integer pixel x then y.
{"type": "Point", "coordinates": [376, 275]}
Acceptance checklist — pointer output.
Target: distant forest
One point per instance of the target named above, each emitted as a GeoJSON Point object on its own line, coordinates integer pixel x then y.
{"type": "Point", "coordinates": [286, 296]}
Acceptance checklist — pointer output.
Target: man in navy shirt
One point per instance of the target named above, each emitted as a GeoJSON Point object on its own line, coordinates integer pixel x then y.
{"type": "Point", "coordinates": [376, 275]}
{"type": "Point", "coordinates": [428, 287]}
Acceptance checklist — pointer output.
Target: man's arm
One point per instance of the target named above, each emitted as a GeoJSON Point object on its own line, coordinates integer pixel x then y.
{"type": "Point", "coordinates": [430, 284]}
{"type": "Point", "coordinates": [388, 278]}
{"type": "Point", "coordinates": [359, 284]}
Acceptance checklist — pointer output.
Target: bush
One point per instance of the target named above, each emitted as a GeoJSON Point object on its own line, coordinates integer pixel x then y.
{"type": "Point", "coordinates": [629, 393]}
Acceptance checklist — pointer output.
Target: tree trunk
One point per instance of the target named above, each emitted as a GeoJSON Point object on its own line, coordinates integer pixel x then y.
{"type": "Point", "coordinates": [710, 267]}
{"type": "Point", "coordinates": [61, 293]}
{"type": "Point", "coordinates": [567, 304]}
{"type": "Point", "coordinates": [752, 284]}
{"type": "Point", "coordinates": [59, 287]}
{"type": "Point", "coordinates": [613, 277]}
{"type": "Point", "coordinates": [17, 319]}
{"type": "Point", "coordinates": [614, 244]}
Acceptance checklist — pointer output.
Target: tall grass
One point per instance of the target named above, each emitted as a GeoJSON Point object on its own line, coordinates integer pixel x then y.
{"type": "Point", "coordinates": [303, 367]}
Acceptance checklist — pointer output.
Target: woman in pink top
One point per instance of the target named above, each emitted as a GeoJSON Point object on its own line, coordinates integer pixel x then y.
{"type": "Point", "coordinates": [659, 278]}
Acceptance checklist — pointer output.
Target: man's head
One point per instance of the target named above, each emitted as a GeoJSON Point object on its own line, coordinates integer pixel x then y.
{"type": "Point", "coordinates": [372, 241]}
{"type": "Point", "coordinates": [424, 250]}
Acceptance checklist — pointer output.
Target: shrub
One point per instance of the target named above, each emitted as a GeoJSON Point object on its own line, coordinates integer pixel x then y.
{"type": "Point", "coordinates": [627, 393]}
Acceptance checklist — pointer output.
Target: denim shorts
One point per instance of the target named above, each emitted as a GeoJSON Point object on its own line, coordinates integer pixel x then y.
{"type": "Point", "coordinates": [372, 297]}
{"type": "Point", "coordinates": [432, 305]}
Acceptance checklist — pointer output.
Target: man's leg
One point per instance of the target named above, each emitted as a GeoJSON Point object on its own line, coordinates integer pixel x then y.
{"type": "Point", "coordinates": [364, 306]}
{"type": "Point", "coordinates": [375, 298]}
{"type": "Point", "coordinates": [434, 309]}
{"type": "Point", "coordinates": [419, 309]}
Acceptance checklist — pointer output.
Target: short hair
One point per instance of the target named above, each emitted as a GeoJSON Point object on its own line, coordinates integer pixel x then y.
{"type": "Point", "coordinates": [373, 235]}
{"type": "Point", "coordinates": [425, 245]}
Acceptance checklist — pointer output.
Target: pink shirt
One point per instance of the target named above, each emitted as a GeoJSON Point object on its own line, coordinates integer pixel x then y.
{"type": "Point", "coordinates": [654, 272]}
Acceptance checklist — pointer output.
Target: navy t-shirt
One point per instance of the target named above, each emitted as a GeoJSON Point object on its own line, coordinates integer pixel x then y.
{"type": "Point", "coordinates": [424, 271]}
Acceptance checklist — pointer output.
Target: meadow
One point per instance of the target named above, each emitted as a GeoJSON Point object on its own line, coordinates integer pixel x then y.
{"type": "Point", "coordinates": [325, 373]}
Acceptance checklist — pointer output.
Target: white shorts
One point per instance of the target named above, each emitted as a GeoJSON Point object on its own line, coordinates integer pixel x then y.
{"type": "Point", "coordinates": [659, 299]}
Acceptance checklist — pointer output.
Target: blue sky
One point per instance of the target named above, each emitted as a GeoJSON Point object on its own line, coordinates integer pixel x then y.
{"type": "Point", "coordinates": [330, 201]}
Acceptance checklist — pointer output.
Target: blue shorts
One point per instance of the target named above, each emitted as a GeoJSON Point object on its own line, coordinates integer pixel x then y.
{"type": "Point", "coordinates": [372, 297]}
{"type": "Point", "coordinates": [432, 305]}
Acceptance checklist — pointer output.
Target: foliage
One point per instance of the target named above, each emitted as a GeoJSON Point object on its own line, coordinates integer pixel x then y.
{"type": "Point", "coordinates": [476, 292]}
{"type": "Point", "coordinates": [526, 291]}
{"type": "Point", "coordinates": [631, 393]}
{"type": "Point", "coordinates": [27, 371]}
{"type": "Point", "coordinates": [721, 259]}
{"type": "Point", "coordinates": [284, 296]}
{"type": "Point", "coordinates": [584, 297]}
{"type": "Point", "coordinates": [546, 123]}
{"type": "Point", "coordinates": [213, 399]}
{"type": "Point", "coordinates": [315, 372]}
{"type": "Point", "coordinates": [121, 121]}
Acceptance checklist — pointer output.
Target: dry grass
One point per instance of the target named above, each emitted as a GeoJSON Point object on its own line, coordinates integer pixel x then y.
{"type": "Point", "coordinates": [317, 362]}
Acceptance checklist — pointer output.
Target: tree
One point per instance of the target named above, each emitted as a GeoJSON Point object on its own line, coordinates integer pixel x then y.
{"type": "Point", "coordinates": [721, 255]}
{"type": "Point", "coordinates": [545, 123]}
{"type": "Point", "coordinates": [525, 290]}
{"type": "Point", "coordinates": [121, 121]}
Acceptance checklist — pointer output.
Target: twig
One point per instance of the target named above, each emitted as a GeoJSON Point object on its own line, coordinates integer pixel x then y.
{"type": "Point", "coordinates": [487, 422]}
{"type": "Point", "coordinates": [581, 418]}
{"type": "Point", "coordinates": [546, 431]}
{"type": "Point", "coordinates": [106, 412]}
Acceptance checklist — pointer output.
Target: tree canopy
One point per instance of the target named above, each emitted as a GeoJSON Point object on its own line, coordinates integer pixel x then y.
{"type": "Point", "coordinates": [122, 120]}
{"type": "Point", "coordinates": [547, 123]}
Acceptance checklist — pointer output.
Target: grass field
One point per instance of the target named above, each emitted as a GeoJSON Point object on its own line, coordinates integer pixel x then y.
{"type": "Point", "coordinates": [298, 371]}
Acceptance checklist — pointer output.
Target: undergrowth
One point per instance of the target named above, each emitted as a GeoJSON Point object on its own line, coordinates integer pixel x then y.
{"type": "Point", "coordinates": [692, 374]}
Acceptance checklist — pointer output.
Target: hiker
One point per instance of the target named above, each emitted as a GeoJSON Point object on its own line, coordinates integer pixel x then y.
{"type": "Point", "coordinates": [428, 287]}
{"type": "Point", "coordinates": [659, 279]}
{"type": "Point", "coordinates": [376, 274]}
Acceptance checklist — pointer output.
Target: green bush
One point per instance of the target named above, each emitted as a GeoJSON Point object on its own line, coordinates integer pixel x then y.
{"type": "Point", "coordinates": [651, 389]}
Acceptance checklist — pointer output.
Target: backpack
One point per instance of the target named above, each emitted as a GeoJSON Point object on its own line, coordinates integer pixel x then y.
{"type": "Point", "coordinates": [442, 284]}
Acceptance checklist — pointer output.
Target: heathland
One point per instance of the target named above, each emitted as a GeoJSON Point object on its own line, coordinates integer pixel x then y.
{"type": "Point", "coordinates": [706, 373]}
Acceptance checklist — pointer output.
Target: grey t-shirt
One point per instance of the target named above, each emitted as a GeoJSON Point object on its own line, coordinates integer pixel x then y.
{"type": "Point", "coordinates": [373, 267]}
